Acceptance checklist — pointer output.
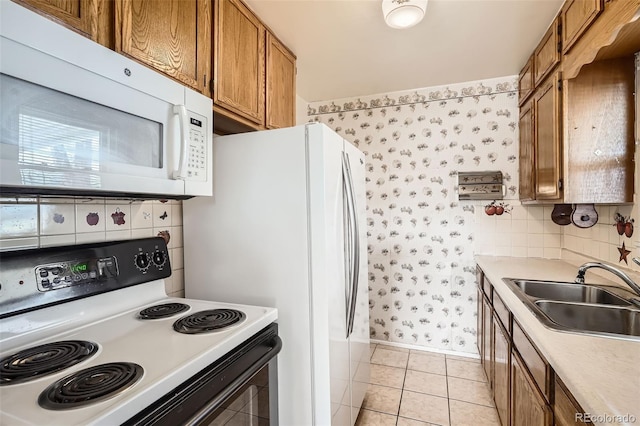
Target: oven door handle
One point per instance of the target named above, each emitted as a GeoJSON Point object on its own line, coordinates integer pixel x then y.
{"type": "Point", "coordinates": [276, 345]}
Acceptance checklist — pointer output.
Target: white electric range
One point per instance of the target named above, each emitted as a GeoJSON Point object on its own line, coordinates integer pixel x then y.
{"type": "Point", "coordinates": [88, 336]}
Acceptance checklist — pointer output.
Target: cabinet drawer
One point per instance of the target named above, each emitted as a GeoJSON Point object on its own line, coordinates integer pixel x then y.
{"type": "Point", "coordinates": [547, 54]}
{"type": "Point", "coordinates": [502, 312]}
{"type": "Point", "coordinates": [536, 365]}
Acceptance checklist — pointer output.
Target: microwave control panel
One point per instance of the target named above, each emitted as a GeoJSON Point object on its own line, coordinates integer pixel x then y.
{"type": "Point", "coordinates": [197, 162]}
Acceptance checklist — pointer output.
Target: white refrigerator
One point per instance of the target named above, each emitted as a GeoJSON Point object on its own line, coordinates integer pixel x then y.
{"type": "Point", "coordinates": [286, 228]}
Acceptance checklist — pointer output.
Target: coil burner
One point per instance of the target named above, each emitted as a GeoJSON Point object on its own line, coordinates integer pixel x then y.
{"type": "Point", "coordinates": [208, 321]}
{"type": "Point", "coordinates": [162, 311]}
{"type": "Point", "coordinates": [38, 361]}
{"type": "Point", "coordinates": [90, 385]}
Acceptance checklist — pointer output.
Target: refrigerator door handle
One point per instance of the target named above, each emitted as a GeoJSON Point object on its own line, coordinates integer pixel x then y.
{"type": "Point", "coordinates": [349, 247]}
{"type": "Point", "coordinates": [355, 244]}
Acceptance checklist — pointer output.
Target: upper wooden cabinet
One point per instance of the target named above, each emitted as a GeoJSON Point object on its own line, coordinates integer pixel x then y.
{"type": "Point", "coordinates": [91, 18]}
{"type": "Point", "coordinates": [281, 84]}
{"type": "Point", "coordinates": [547, 110]}
{"type": "Point", "coordinates": [547, 54]}
{"type": "Point", "coordinates": [174, 37]}
{"type": "Point", "coordinates": [525, 82]}
{"type": "Point", "coordinates": [577, 15]}
{"type": "Point", "coordinates": [526, 152]}
{"type": "Point", "coordinates": [239, 61]}
{"type": "Point", "coordinates": [254, 73]}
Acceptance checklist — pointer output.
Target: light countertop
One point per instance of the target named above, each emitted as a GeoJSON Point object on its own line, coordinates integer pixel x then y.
{"type": "Point", "coordinates": [602, 373]}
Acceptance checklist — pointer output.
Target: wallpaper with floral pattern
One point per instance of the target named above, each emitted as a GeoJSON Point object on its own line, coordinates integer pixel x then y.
{"type": "Point", "coordinates": [420, 237]}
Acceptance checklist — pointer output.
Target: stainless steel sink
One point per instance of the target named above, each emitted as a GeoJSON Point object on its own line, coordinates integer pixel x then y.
{"type": "Point", "coordinates": [568, 292]}
{"type": "Point", "coordinates": [579, 308]}
{"type": "Point", "coordinates": [593, 318]}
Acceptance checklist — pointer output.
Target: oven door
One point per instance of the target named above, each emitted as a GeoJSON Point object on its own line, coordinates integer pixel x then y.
{"type": "Point", "coordinates": [239, 389]}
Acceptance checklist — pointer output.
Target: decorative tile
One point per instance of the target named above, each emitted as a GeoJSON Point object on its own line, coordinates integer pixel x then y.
{"type": "Point", "coordinates": [426, 408]}
{"type": "Point", "coordinates": [470, 391]}
{"type": "Point", "coordinates": [383, 399]}
{"type": "Point", "coordinates": [389, 358]}
{"type": "Point", "coordinates": [161, 214]}
{"type": "Point", "coordinates": [465, 370]}
{"type": "Point", "coordinates": [57, 219]}
{"type": "Point", "coordinates": [373, 418]}
{"type": "Point", "coordinates": [142, 214]}
{"type": "Point", "coordinates": [461, 412]}
{"type": "Point", "coordinates": [18, 220]}
{"type": "Point", "coordinates": [432, 384]}
{"type": "Point", "coordinates": [118, 217]}
{"type": "Point", "coordinates": [90, 217]}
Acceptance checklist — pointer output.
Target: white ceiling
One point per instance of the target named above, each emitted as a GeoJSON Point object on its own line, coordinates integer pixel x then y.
{"type": "Point", "coordinates": [345, 49]}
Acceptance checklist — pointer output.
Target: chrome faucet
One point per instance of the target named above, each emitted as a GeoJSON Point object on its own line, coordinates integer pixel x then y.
{"type": "Point", "coordinates": [617, 272]}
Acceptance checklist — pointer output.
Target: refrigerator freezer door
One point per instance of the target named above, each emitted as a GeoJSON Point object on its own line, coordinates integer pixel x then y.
{"type": "Point", "coordinates": [359, 338]}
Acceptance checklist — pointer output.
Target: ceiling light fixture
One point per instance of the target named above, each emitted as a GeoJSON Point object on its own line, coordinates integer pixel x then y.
{"type": "Point", "coordinates": [403, 13]}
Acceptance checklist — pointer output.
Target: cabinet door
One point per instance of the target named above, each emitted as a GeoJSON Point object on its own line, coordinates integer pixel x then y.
{"type": "Point", "coordinates": [525, 81]}
{"type": "Point", "coordinates": [547, 54]}
{"type": "Point", "coordinates": [239, 61]}
{"type": "Point", "coordinates": [80, 15]}
{"type": "Point", "coordinates": [528, 406]}
{"type": "Point", "coordinates": [566, 412]}
{"type": "Point", "coordinates": [577, 15]}
{"type": "Point", "coordinates": [526, 153]}
{"type": "Point", "coordinates": [547, 114]}
{"type": "Point", "coordinates": [501, 370]}
{"type": "Point", "coordinates": [173, 37]}
{"type": "Point", "coordinates": [281, 84]}
{"type": "Point", "coordinates": [479, 325]}
{"type": "Point", "coordinates": [486, 351]}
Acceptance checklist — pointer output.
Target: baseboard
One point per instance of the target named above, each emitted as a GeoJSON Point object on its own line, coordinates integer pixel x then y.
{"type": "Point", "coordinates": [425, 349]}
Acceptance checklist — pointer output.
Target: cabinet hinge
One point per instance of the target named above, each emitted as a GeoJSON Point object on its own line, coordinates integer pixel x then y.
{"type": "Point", "coordinates": [560, 84]}
{"type": "Point", "coordinates": [560, 184]}
{"type": "Point", "coordinates": [559, 46]}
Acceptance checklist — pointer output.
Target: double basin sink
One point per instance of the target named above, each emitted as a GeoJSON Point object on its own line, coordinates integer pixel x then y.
{"type": "Point", "coordinates": [581, 308]}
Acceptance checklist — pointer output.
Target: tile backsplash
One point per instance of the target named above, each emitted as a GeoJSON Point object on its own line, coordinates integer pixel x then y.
{"type": "Point", "coordinates": [45, 222]}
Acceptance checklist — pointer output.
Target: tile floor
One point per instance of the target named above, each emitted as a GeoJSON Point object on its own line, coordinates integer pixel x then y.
{"type": "Point", "coordinates": [418, 388]}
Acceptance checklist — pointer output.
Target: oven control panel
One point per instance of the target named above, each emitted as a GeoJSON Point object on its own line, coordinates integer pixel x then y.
{"type": "Point", "coordinates": [33, 278]}
{"type": "Point", "coordinates": [57, 275]}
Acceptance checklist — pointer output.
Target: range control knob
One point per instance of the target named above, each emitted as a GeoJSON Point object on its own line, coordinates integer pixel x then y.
{"type": "Point", "coordinates": [158, 258]}
{"type": "Point", "coordinates": [142, 261]}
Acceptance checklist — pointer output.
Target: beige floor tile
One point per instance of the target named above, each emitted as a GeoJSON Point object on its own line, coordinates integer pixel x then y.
{"type": "Point", "coordinates": [465, 370]}
{"type": "Point", "coordinates": [389, 358]}
{"type": "Point", "coordinates": [372, 348]}
{"type": "Point", "coordinates": [426, 408]}
{"type": "Point", "coordinates": [433, 384]}
{"type": "Point", "coordinates": [373, 418]}
{"type": "Point", "coordinates": [427, 363]}
{"type": "Point", "coordinates": [464, 358]}
{"type": "Point", "coordinates": [470, 391]}
{"type": "Point", "coordinates": [387, 376]}
{"type": "Point", "coordinates": [464, 414]}
{"type": "Point", "coordinates": [429, 353]}
{"type": "Point", "coordinates": [383, 399]}
{"type": "Point", "coordinates": [403, 421]}
{"type": "Point", "coordinates": [393, 348]}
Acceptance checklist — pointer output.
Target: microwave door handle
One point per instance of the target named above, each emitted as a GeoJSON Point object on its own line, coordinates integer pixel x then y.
{"type": "Point", "coordinates": [181, 111]}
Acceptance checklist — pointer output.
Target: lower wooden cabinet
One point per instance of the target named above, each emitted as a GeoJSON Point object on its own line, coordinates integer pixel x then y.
{"type": "Point", "coordinates": [487, 341]}
{"type": "Point", "coordinates": [501, 370]}
{"type": "Point", "coordinates": [565, 410]}
{"type": "Point", "coordinates": [528, 405]}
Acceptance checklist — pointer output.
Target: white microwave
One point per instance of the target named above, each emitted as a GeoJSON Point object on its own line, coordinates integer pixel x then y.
{"type": "Point", "coordinates": [79, 119]}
